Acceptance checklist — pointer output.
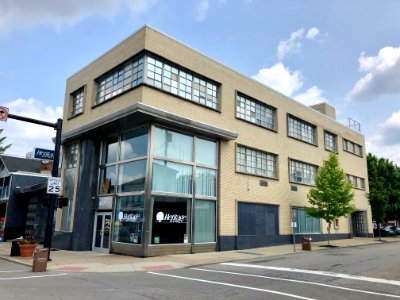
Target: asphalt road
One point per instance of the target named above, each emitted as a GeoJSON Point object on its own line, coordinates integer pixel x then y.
{"type": "Point", "coordinates": [367, 272]}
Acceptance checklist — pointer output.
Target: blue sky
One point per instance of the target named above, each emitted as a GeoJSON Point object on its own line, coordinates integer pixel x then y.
{"type": "Point", "coordinates": [346, 53]}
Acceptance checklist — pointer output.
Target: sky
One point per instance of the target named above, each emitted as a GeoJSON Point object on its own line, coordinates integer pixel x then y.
{"type": "Point", "coordinates": [345, 53]}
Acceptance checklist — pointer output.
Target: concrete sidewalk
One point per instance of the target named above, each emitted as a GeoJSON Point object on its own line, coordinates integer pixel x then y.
{"type": "Point", "coordinates": [88, 261]}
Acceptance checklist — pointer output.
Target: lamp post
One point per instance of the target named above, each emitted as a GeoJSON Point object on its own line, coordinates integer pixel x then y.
{"type": "Point", "coordinates": [53, 198]}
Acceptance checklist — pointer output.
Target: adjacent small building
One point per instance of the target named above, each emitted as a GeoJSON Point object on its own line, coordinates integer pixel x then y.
{"type": "Point", "coordinates": [23, 196]}
{"type": "Point", "coordinates": [168, 151]}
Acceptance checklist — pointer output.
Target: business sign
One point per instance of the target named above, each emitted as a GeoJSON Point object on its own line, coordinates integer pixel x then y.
{"type": "Point", "coordinates": [43, 154]}
{"type": "Point", "coordinates": [54, 185]}
{"type": "Point", "coordinates": [170, 218]}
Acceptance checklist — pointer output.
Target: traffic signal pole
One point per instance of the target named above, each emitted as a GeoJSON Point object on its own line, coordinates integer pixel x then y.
{"type": "Point", "coordinates": [54, 173]}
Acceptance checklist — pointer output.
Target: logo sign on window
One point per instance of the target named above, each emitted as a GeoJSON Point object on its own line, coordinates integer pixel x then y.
{"type": "Point", "coordinates": [170, 218]}
{"type": "Point", "coordinates": [129, 217]}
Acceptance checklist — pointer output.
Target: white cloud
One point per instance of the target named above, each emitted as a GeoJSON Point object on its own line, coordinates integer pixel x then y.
{"type": "Point", "coordinates": [294, 43]}
{"type": "Point", "coordinates": [202, 10]}
{"type": "Point", "coordinates": [25, 136]}
{"type": "Point", "coordinates": [290, 45]}
{"type": "Point", "coordinates": [312, 33]}
{"type": "Point", "coordinates": [386, 143]}
{"type": "Point", "coordinates": [27, 13]}
{"type": "Point", "coordinates": [280, 78]}
{"type": "Point", "coordinates": [312, 96]}
{"type": "Point", "coordinates": [203, 7]}
{"type": "Point", "coordinates": [382, 78]}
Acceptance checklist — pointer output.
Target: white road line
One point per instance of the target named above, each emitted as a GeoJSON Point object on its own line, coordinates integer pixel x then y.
{"type": "Point", "coordinates": [233, 285]}
{"type": "Point", "coordinates": [299, 281]}
{"type": "Point", "coordinates": [13, 271]}
{"type": "Point", "coordinates": [322, 273]}
{"type": "Point", "coordinates": [31, 277]}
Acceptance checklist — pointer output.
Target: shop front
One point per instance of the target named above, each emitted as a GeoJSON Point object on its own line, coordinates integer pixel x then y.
{"type": "Point", "coordinates": [157, 192]}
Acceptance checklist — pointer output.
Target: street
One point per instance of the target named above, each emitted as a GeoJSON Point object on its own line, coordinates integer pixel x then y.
{"type": "Point", "coordinates": [364, 272]}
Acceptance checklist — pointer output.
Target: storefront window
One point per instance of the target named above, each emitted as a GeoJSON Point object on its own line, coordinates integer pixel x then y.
{"type": "Point", "coordinates": [172, 177]}
{"type": "Point", "coordinates": [128, 218]}
{"type": "Point", "coordinates": [206, 182]}
{"type": "Point", "coordinates": [134, 143]}
{"type": "Point", "coordinates": [204, 221]}
{"type": "Point", "coordinates": [173, 145]}
{"type": "Point", "coordinates": [304, 222]}
{"type": "Point", "coordinates": [108, 177]}
{"type": "Point", "coordinates": [171, 220]}
{"type": "Point", "coordinates": [132, 176]}
{"type": "Point", "coordinates": [110, 150]}
{"type": "Point", "coordinates": [206, 152]}
{"type": "Point", "coordinates": [72, 152]}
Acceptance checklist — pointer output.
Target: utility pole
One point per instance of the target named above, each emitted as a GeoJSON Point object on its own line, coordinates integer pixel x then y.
{"type": "Point", "coordinates": [53, 198]}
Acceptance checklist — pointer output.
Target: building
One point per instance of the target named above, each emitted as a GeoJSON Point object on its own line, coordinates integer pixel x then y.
{"type": "Point", "coordinates": [168, 151]}
{"type": "Point", "coordinates": [22, 196]}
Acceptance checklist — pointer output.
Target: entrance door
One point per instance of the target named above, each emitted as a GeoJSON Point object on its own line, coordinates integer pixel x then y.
{"type": "Point", "coordinates": [102, 230]}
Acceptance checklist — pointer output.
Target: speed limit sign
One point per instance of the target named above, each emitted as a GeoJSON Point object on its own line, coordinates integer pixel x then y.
{"type": "Point", "coordinates": [54, 185]}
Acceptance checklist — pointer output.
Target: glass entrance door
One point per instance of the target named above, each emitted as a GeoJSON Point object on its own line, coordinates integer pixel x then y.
{"type": "Point", "coordinates": [102, 230]}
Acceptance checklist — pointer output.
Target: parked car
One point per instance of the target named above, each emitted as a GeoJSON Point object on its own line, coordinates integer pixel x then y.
{"type": "Point", "coordinates": [388, 231]}
{"type": "Point", "coordinates": [396, 229]}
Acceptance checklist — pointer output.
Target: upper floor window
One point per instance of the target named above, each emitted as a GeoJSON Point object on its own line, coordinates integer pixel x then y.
{"type": "Point", "coordinates": [160, 74]}
{"type": "Point", "coordinates": [301, 172]}
{"type": "Point", "coordinates": [255, 162]}
{"type": "Point", "coordinates": [255, 112]}
{"type": "Point", "coordinates": [123, 78]}
{"type": "Point", "coordinates": [123, 162]}
{"type": "Point", "coordinates": [352, 147]}
{"type": "Point", "coordinates": [330, 141]}
{"type": "Point", "coordinates": [358, 182]}
{"type": "Point", "coordinates": [72, 155]}
{"type": "Point", "coordinates": [179, 82]}
{"type": "Point", "coordinates": [77, 102]}
{"type": "Point", "coordinates": [301, 130]}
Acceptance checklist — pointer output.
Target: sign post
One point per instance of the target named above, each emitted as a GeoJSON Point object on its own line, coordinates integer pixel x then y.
{"type": "Point", "coordinates": [53, 197]}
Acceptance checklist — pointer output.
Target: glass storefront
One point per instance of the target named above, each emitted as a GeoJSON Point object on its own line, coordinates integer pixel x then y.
{"type": "Point", "coordinates": [184, 181]}
{"type": "Point", "coordinates": [171, 220]}
{"type": "Point", "coordinates": [128, 219]}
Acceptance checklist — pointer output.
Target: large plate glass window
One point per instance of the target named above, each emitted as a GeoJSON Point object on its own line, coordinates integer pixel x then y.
{"type": "Point", "coordinates": [172, 177]}
{"type": "Point", "coordinates": [204, 221]}
{"type": "Point", "coordinates": [304, 222]}
{"type": "Point", "coordinates": [128, 224]}
{"type": "Point", "coordinates": [173, 145]}
{"type": "Point", "coordinates": [171, 220]}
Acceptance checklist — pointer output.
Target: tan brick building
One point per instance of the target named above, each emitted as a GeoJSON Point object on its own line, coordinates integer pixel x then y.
{"type": "Point", "coordinates": [169, 151]}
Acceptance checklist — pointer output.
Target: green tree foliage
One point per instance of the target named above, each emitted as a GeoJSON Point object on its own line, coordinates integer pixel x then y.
{"type": "Point", "coordinates": [3, 148]}
{"type": "Point", "coordinates": [332, 196]}
{"type": "Point", "coordinates": [384, 189]}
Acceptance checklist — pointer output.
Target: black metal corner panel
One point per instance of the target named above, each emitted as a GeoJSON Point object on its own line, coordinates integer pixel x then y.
{"type": "Point", "coordinates": [226, 243]}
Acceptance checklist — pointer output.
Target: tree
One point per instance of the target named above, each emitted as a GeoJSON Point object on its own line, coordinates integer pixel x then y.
{"type": "Point", "coordinates": [3, 148]}
{"type": "Point", "coordinates": [384, 189]}
{"type": "Point", "coordinates": [332, 196]}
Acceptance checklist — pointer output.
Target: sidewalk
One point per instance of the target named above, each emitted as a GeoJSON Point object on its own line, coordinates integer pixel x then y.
{"type": "Point", "coordinates": [88, 261]}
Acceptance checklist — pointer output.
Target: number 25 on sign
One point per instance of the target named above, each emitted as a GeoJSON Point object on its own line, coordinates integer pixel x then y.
{"type": "Point", "coordinates": [54, 185]}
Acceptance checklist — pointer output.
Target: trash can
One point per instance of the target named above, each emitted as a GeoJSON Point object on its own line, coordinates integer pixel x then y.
{"type": "Point", "coordinates": [306, 243]}
{"type": "Point", "coordinates": [15, 247]}
{"type": "Point", "coordinates": [40, 260]}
